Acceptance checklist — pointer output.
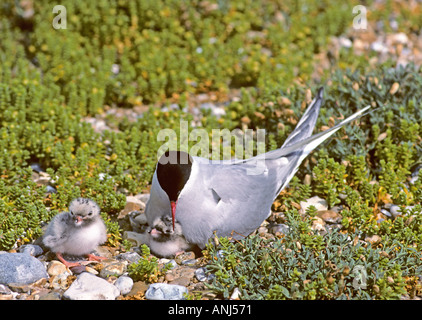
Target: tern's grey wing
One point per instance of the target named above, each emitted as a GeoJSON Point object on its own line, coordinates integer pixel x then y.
{"type": "Point", "coordinates": [226, 200]}
{"type": "Point", "coordinates": [56, 233]}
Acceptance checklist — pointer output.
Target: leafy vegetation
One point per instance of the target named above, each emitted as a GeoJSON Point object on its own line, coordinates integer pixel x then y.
{"type": "Point", "coordinates": [147, 55]}
{"type": "Point", "coordinates": [147, 267]}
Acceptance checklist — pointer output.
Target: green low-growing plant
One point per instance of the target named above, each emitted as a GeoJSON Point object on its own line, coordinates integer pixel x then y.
{"type": "Point", "coordinates": [340, 267]}
{"type": "Point", "coordinates": [146, 268]}
{"type": "Point", "coordinates": [150, 54]}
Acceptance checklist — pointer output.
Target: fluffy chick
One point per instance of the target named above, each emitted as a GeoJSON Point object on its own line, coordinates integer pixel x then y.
{"type": "Point", "coordinates": [77, 231]}
{"type": "Point", "coordinates": [166, 242]}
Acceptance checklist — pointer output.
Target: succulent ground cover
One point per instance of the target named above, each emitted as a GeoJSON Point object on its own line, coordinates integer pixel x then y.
{"type": "Point", "coordinates": [261, 61]}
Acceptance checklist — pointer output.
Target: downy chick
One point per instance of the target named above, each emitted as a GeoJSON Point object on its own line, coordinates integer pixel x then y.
{"type": "Point", "coordinates": [166, 242]}
{"type": "Point", "coordinates": [76, 232]}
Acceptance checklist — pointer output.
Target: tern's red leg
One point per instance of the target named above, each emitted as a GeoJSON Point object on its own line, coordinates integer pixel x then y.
{"type": "Point", "coordinates": [67, 263]}
{"type": "Point", "coordinates": [91, 257]}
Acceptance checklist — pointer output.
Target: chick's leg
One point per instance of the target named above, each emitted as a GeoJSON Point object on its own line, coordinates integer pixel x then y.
{"type": "Point", "coordinates": [67, 263]}
{"type": "Point", "coordinates": [92, 257]}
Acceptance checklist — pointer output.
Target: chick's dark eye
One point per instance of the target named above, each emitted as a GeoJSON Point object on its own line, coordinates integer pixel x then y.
{"type": "Point", "coordinates": [90, 213]}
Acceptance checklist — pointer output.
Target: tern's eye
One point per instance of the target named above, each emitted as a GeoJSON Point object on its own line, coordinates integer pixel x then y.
{"type": "Point", "coordinates": [71, 213]}
{"type": "Point", "coordinates": [90, 214]}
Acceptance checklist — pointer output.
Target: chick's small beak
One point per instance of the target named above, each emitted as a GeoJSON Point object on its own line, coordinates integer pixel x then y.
{"type": "Point", "coordinates": [173, 211]}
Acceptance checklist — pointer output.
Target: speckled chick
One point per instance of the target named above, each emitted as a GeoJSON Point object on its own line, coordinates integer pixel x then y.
{"type": "Point", "coordinates": [166, 242]}
{"type": "Point", "coordinates": [77, 231]}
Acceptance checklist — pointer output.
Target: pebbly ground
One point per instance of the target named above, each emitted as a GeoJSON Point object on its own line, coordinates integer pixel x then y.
{"type": "Point", "coordinates": [33, 273]}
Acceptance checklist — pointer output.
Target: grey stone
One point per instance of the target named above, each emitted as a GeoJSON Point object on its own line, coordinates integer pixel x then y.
{"type": "Point", "coordinates": [124, 284]}
{"type": "Point", "coordinates": [4, 289]}
{"type": "Point", "coordinates": [164, 291]}
{"type": "Point", "coordinates": [172, 264]}
{"type": "Point", "coordinates": [36, 167]}
{"type": "Point", "coordinates": [280, 228]}
{"type": "Point", "coordinates": [50, 189]}
{"type": "Point", "coordinates": [137, 220]}
{"type": "Point", "coordinates": [90, 287]}
{"type": "Point", "coordinates": [200, 274]}
{"type": "Point", "coordinates": [21, 268]}
{"type": "Point", "coordinates": [386, 213]}
{"type": "Point", "coordinates": [395, 210]}
{"type": "Point", "coordinates": [31, 249]}
{"type": "Point", "coordinates": [137, 239]}
{"type": "Point", "coordinates": [189, 255]}
{"type": "Point", "coordinates": [129, 257]}
{"type": "Point", "coordinates": [190, 262]}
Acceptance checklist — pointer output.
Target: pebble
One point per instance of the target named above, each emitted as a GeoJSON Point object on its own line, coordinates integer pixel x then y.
{"type": "Point", "coordinates": [91, 270]}
{"type": "Point", "coordinates": [262, 230]}
{"type": "Point", "coordinates": [280, 228]}
{"type": "Point", "coordinates": [50, 189]}
{"type": "Point", "coordinates": [190, 262]}
{"type": "Point", "coordinates": [55, 268]}
{"type": "Point", "coordinates": [139, 287]}
{"type": "Point", "coordinates": [399, 38]}
{"type": "Point", "coordinates": [90, 287]}
{"type": "Point", "coordinates": [137, 220]}
{"type": "Point", "coordinates": [201, 275]}
{"type": "Point", "coordinates": [345, 42]}
{"type": "Point", "coordinates": [395, 210]}
{"type": "Point", "coordinates": [129, 257]}
{"type": "Point", "coordinates": [31, 249]}
{"type": "Point", "coordinates": [165, 291]}
{"type": "Point", "coordinates": [36, 167]}
{"type": "Point", "coordinates": [330, 216]}
{"type": "Point", "coordinates": [60, 281]}
{"type": "Point", "coordinates": [51, 296]}
{"type": "Point", "coordinates": [133, 204]}
{"type": "Point", "coordinates": [181, 276]}
{"type": "Point", "coordinates": [137, 239]}
{"type": "Point", "coordinates": [20, 268]}
{"type": "Point", "coordinates": [317, 202]}
{"type": "Point", "coordinates": [386, 213]}
{"type": "Point", "coordinates": [318, 225]}
{"type": "Point", "coordinates": [235, 295]}
{"type": "Point", "coordinates": [180, 258]}
{"type": "Point", "coordinates": [379, 46]}
{"type": "Point", "coordinates": [115, 268]}
{"type": "Point", "coordinates": [171, 264]}
{"type": "Point", "coordinates": [373, 240]}
{"type": "Point", "coordinates": [6, 293]}
{"type": "Point", "coordinates": [124, 284]}
{"type": "Point", "coordinates": [78, 269]}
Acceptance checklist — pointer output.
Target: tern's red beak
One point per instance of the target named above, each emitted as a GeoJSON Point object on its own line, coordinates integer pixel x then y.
{"type": "Point", "coordinates": [173, 211]}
